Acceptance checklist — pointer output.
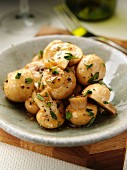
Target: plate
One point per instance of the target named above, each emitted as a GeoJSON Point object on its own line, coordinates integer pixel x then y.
{"type": "Point", "coordinates": [13, 117]}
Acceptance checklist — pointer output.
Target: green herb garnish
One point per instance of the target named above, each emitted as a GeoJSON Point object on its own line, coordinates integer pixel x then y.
{"type": "Point", "coordinates": [40, 54]}
{"type": "Point", "coordinates": [90, 112]}
{"type": "Point", "coordinates": [88, 66]}
{"type": "Point", "coordinates": [28, 80]}
{"type": "Point", "coordinates": [67, 70]}
{"type": "Point", "coordinates": [105, 102]}
{"type": "Point", "coordinates": [91, 122]}
{"type": "Point", "coordinates": [40, 97]}
{"type": "Point", "coordinates": [48, 104]}
{"type": "Point", "coordinates": [53, 68]}
{"type": "Point", "coordinates": [93, 78]}
{"type": "Point", "coordinates": [101, 82]}
{"type": "Point", "coordinates": [53, 115]}
{"type": "Point", "coordinates": [88, 92]}
{"type": "Point", "coordinates": [18, 75]}
{"type": "Point", "coordinates": [46, 94]}
{"type": "Point", "coordinates": [55, 72]}
{"type": "Point", "coordinates": [39, 84]}
{"type": "Point", "coordinates": [68, 115]}
{"type": "Point", "coordinates": [69, 56]}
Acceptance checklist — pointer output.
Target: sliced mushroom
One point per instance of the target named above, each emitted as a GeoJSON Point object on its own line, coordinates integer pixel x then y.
{"type": "Point", "coordinates": [49, 116]}
{"type": "Point", "coordinates": [78, 102]}
{"type": "Point", "coordinates": [81, 115]}
{"type": "Point", "coordinates": [101, 94]}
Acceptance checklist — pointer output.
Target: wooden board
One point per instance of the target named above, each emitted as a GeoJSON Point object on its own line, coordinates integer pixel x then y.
{"type": "Point", "coordinates": [108, 154]}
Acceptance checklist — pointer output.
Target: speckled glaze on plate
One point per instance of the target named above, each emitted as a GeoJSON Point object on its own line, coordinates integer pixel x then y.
{"type": "Point", "coordinates": [13, 117]}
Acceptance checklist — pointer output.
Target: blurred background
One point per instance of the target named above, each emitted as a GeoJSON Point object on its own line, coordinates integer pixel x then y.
{"type": "Point", "coordinates": [114, 27]}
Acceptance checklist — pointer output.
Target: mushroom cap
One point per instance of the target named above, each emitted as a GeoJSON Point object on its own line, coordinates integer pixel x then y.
{"type": "Point", "coordinates": [56, 51]}
{"type": "Point", "coordinates": [66, 89]}
{"type": "Point", "coordinates": [91, 68]}
{"type": "Point", "coordinates": [19, 90]}
{"type": "Point", "coordinates": [99, 92]}
{"type": "Point", "coordinates": [82, 116]}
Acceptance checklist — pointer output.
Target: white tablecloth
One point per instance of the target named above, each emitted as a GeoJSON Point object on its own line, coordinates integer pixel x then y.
{"type": "Point", "coordinates": [14, 158]}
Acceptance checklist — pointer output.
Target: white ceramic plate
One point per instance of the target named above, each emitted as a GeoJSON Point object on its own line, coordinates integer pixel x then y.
{"type": "Point", "coordinates": [13, 117]}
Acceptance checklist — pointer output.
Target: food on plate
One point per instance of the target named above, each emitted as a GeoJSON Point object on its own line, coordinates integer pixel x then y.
{"type": "Point", "coordinates": [51, 113]}
{"type": "Point", "coordinates": [62, 54]}
{"type": "Point", "coordinates": [19, 85]}
{"type": "Point", "coordinates": [66, 89]}
{"type": "Point", "coordinates": [90, 69]}
{"type": "Point", "coordinates": [61, 85]}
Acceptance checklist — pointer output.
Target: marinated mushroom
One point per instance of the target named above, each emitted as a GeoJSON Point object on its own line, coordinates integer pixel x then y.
{"type": "Point", "coordinates": [54, 77]}
{"type": "Point", "coordinates": [30, 105]}
{"type": "Point", "coordinates": [19, 85]}
{"type": "Point", "coordinates": [50, 115]}
{"type": "Point", "coordinates": [36, 67]}
{"type": "Point", "coordinates": [90, 69]}
{"type": "Point", "coordinates": [66, 89]}
{"type": "Point", "coordinates": [101, 94]}
{"type": "Point", "coordinates": [62, 54]}
{"type": "Point", "coordinates": [79, 112]}
{"type": "Point", "coordinates": [53, 82]}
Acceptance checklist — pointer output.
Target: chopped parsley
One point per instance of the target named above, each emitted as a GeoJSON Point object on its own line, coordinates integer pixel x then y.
{"type": "Point", "coordinates": [40, 97]}
{"type": "Point", "coordinates": [40, 54]}
{"type": "Point", "coordinates": [105, 102]}
{"type": "Point", "coordinates": [53, 68]}
{"type": "Point", "coordinates": [68, 115]}
{"type": "Point", "coordinates": [102, 83]}
{"type": "Point", "coordinates": [90, 112]}
{"type": "Point", "coordinates": [46, 94]}
{"type": "Point", "coordinates": [18, 75]}
{"type": "Point", "coordinates": [55, 72]}
{"type": "Point", "coordinates": [53, 115]}
{"type": "Point", "coordinates": [88, 92]}
{"type": "Point", "coordinates": [88, 66]}
{"type": "Point", "coordinates": [69, 56]}
{"type": "Point", "coordinates": [28, 80]}
{"type": "Point", "coordinates": [48, 104]}
{"type": "Point", "coordinates": [67, 70]}
{"type": "Point", "coordinates": [91, 122]}
{"type": "Point", "coordinates": [93, 78]}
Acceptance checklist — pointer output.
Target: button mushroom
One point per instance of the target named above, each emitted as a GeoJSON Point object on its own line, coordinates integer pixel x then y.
{"type": "Point", "coordinates": [101, 94]}
{"type": "Point", "coordinates": [19, 85]}
{"type": "Point", "coordinates": [66, 89]}
{"type": "Point", "coordinates": [36, 67]}
{"type": "Point", "coordinates": [79, 112]}
{"type": "Point", "coordinates": [90, 69]}
{"type": "Point", "coordinates": [62, 54]}
{"type": "Point", "coordinates": [50, 114]}
{"type": "Point", "coordinates": [54, 77]}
